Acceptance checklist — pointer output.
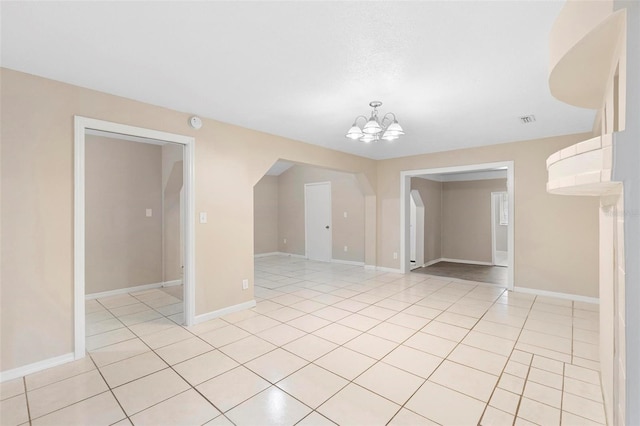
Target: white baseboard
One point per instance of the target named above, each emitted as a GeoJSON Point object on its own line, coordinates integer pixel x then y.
{"type": "Point", "coordinates": [273, 253]}
{"type": "Point", "coordinates": [574, 297]}
{"type": "Point", "coordinates": [470, 262]}
{"type": "Point", "coordinates": [35, 367]}
{"type": "Point", "coordinates": [171, 283]}
{"type": "Point", "coordinates": [432, 262]}
{"type": "Point", "coordinates": [122, 291]}
{"type": "Point", "coordinates": [347, 262]}
{"type": "Point", "coordinates": [224, 311]}
{"type": "Point", "coordinates": [385, 269]}
{"type": "Point", "coordinates": [370, 267]}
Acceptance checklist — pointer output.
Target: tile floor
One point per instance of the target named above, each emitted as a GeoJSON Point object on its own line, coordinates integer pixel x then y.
{"type": "Point", "coordinates": [327, 343]}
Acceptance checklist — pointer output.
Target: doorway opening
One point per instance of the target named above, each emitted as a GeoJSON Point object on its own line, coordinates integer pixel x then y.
{"type": "Point", "coordinates": [500, 228]}
{"type": "Point", "coordinates": [179, 190]}
{"type": "Point", "coordinates": [453, 246]}
{"type": "Point", "coordinates": [416, 225]}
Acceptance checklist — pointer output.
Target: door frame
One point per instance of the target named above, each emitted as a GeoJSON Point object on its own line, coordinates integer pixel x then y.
{"type": "Point", "coordinates": [306, 220]}
{"type": "Point", "coordinates": [81, 125]}
{"type": "Point", "coordinates": [420, 226]}
{"type": "Point", "coordinates": [405, 189]}
{"type": "Point", "coordinates": [494, 197]}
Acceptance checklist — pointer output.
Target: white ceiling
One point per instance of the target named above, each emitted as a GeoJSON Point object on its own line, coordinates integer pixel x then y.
{"type": "Point", "coordinates": [456, 74]}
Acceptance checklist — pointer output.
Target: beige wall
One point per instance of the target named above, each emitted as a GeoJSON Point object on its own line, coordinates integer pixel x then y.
{"type": "Point", "coordinates": [346, 196]}
{"type": "Point", "coordinates": [431, 194]}
{"type": "Point", "coordinates": [37, 204]}
{"type": "Point", "coordinates": [123, 246]}
{"type": "Point", "coordinates": [265, 216]}
{"type": "Point", "coordinates": [556, 238]}
{"type": "Point", "coordinates": [466, 219]}
{"type": "Point", "coordinates": [172, 183]}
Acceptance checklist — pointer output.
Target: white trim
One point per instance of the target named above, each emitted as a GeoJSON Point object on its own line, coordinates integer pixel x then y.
{"type": "Point", "coordinates": [567, 296]}
{"type": "Point", "coordinates": [370, 267]}
{"type": "Point", "coordinates": [171, 283]}
{"type": "Point", "coordinates": [347, 262]}
{"type": "Point", "coordinates": [273, 253]}
{"type": "Point", "coordinates": [469, 262]}
{"type": "Point", "coordinates": [14, 373]}
{"type": "Point", "coordinates": [81, 124]}
{"type": "Point", "coordinates": [405, 188]}
{"type": "Point", "coordinates": [224, 311]}
{"type": "Point", "coordinates": [124, 290]}
{"type": "Point", "coordinates": [432, 262]}
{"type": "Point", "coordinates": [391, 270]}
{"type": "Point", "coordinates": [279, 253]}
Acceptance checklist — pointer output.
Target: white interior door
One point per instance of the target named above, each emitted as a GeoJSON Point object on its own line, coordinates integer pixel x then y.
{"type": "Point", "coordinates": [412, 230]}
{"type": "Point", "coordinates": [499, 229]}
{"type": "Point", "coordinates": [318, 231]}
{"type": "Point", "coordinates": [417, 229]}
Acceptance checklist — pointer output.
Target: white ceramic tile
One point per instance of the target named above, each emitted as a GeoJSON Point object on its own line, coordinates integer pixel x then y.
{"type": "Point", "coordinates": [499, 330]}
{"type": "Point", "coordinates": [65, 392]}
{"type": "Point", "coordinates": [413, 360]}
{"type": "Point", "coordinates": [332, 314]}
{"type": "Point", "coordinates": [554, 343]}
{"type": "Point", "coordinates": [186, 408]}
{"type": "Point", "coordinates": [350, 305]}
{"type": "Point", "coordinates": [257, 323]}
{"type": "Point", "coordinates": [247, 349]}
{"type": "Point", "coordinates": [544, 394]}
{"type": "Point", "coordinates": [315, 419]}
{"type": "Point", "coordinates": [224, 335]}
{"type": "Point", "coordinates": [431, 344]}
{"type": "Point", "coordinates": [359, 322]}
{"type": "Point", "coordinates": [308, 323]}
{"type": "Point", "coordinates": [345, 362]}
{"type": "Point", "coordinates": [583, 389]}
{"type": "Point", "coordinates": [310, 347]}
{"type": "Point", "coordinates": [13, 411]}
{"type": "Point", "coordinates": [270, 407]}
{"type": "Point", "coordinates": [337, 333]}
{"type": "Point", "coordinates": [356, 405]}
{"type": "Point", "coordinates": [166, 337]}
{"type": "Point", "coordinates": [102, 326]}
{"type": "Point", "coordinates": [479, 359]}
{"type": "Point", "coordinates": [413, 322]}
{"type": "Point", "coordinates": [406, 417]}
{"type": "Point", "coordinates": [538, 413]}
{"type": "Point", "coordinates": [153, 326]}
{"type": "Point", "coordinates": [546, 378]}
{"type": "Point", "coordinates": [505, 400]}
{"type": "Point", "coordinates": [372, 346]}
{"type": "Point", "coordinates": [511, 383]}
{"type": "Point", "coordinates": [129, 369]}
{"type": "Point", "coordinates": [284, 314]}
{"type": "Point", "coordinates": [377, 312]}
{"type": "Point", "coordinates": [11, 388]}
{"type": "Point", "coordinates": [204, 367]}
{"type": "Point", "coordinates": [276, 365]}
{"type": "Point", "coordinates": [390, 382]}
{"type": "Point", "coordinates": [445, 406]}
{"type": "Point", "coordinates": [489, 343]}
{"type": "Point", "coordinates": [393, 332]}
{"type": "Point", "coordinates": [586, 350]}
{"type": "Point", "coordinates": [494, 417]}
{"type": "Point", "coordinates": [108, 338]}
{"type": "Point", "coordinates": [457, 319]}
{"type": "Point", "coordinates": [570, 419]}
{"type": "Point", "coordinates": [102, 409]}
{"type": "Point", "coordinates": [521, 357]}
{"type": "Point", "coordinates": [139, 317]}
{"type": "Point", "coordinates": [544, 352]}
{"type": "Point", "coordinates": [233, 387]}
{"type": "Point", "coordinates": [446, 331]}
{"type": "Point", "coordinates": [207, 326]}
{"type": "Point", "coordinates": [181, 351]}
{"type": "Point", "coordinates": [61, 372]}
{"type": "Point", "coordinates": [583, 407]}
{"type": "Point", "coordinates": [423, 311]}
{"type": "Point", "coordinates": [547, 364]}
{"type": "Point", "coordinates": [312, 385]}
{"type": "Point", "coordinates": [467, 380]}
{"type": "Point", "coordinates": [517, 369]}
{"type": "Point", "coordinates": [119, 351]}
{"type": "Point", "coordinates": [281, 334]}
{"type": "Point", "coordinates": [143, 393]}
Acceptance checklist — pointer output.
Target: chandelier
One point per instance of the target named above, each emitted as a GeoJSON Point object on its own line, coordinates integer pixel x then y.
{"type": "Point", "coordinates": [374, 128]}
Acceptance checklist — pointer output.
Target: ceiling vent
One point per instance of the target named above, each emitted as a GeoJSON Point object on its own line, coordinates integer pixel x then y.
{"type": "Point", "coordinates": [526, 119]}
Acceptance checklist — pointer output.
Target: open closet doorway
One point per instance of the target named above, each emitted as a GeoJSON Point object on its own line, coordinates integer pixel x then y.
{"type": "Point", "coordinates": [133, 228]}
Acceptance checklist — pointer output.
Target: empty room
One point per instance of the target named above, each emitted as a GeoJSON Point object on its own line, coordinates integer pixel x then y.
{"type": "Point", "coordinates": [320, 213]}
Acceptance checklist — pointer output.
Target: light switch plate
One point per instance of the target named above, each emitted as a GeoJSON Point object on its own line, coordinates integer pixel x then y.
{"type": "Point", "coordinates": [149, 212]}
{"type": "Point", "coordinates": [203, 217]}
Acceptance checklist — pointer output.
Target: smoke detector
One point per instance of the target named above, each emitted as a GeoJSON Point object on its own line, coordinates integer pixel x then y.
{"type": "Point", "coordinates": [526, 119]}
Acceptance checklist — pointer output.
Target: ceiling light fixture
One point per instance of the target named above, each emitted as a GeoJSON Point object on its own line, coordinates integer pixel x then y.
{"type": "Point", "coordinates": [374, 128]}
